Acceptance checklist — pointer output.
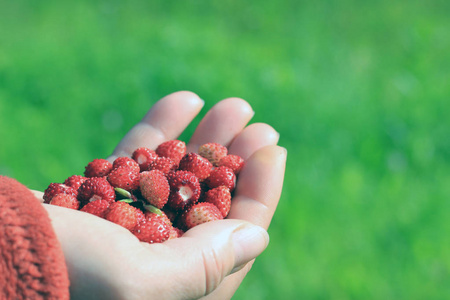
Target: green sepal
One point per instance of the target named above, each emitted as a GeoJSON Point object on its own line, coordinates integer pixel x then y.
{"type": "Point", "coordinates": [126, 200]}
{"type": "Point", "coordinates": [123, 193]}
{"type": "Point", "coordinates": [153, 209]}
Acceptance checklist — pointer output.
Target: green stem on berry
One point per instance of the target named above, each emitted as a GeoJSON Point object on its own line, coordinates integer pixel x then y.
{"type": "Point", "coordinates": [153, 209]}
{"type": "Point", "coordinates": [126, 200]}
{"type": "Point", "coordinates": [123, 193]}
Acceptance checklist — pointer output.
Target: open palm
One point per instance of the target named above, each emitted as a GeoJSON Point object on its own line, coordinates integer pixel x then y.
{"type": "Point", "coordinates": [105, 261]}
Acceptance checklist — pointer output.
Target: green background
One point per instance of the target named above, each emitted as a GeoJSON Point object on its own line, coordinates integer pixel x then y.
{"type": "Point", "coordinates": [358, 90]}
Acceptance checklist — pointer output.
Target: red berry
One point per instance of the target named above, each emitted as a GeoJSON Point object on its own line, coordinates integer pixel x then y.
{"type": "Point", "coordinates": [196, 164]}
{"type": "Point", "coordinates": [57, 188]}
{"type": "Point", "coordinates": [213, 152]}
{"type": "Point", "coordinates": [153, 230]}
{"type": "Point", "coordinates": [65, 200]}
{"type": "Point", "coordinates": [96, 188]}
{"type": "Point", "coordinates": [175, 233]}
{"type": "Point", "coordinates": [75, 181]}
{"type": "Point", "coordinates": [220, 197]}
{"type": "Point", "coordinates": [122, 214]}
{"type": "Point", "coordinates": [144, 156]}
{"type": "Point", "coordinates": [125, 177]}
{"type": "Point", "coordinates": [184, 189]}
{"type": "Point", "coordinates": [201, 213]}
{"type": "Point", "coordinates": [149, 214]}
{"type": "Point", "coordinates": [234, 162]}
{"type": "Point", "coordinates": [173, 149]}
{"type": "Point", "coordinates": [99, 167]}
{"type": "Point", "coordinates": [221, 176]}
{"type": "Point", "coordinates": [124, 161]}
{"type": "Point", "coordinates": [97, 207]}
{"type": "Point", "coordinates": [171, 214]}
{"type": "Point", "coordinates": [154, 187]}
{"type": "Point", "coordinates": [140, 216]}
{"type": "Point", "coordinates": [164, 164]}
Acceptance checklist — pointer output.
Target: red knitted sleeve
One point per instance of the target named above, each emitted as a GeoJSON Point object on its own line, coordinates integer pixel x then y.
{"type": "Point", "coordinates": [32, 263]}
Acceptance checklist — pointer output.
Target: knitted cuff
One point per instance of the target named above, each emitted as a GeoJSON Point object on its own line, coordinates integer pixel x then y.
{"type": "Point", "coordinates": [32, 263]}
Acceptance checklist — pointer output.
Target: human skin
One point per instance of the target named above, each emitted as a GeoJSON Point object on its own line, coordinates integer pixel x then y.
{"type": "Point", "coordinates": [105, 261]}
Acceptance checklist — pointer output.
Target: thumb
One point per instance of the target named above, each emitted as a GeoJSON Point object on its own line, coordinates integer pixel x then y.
{"type": "Point", "coordinates": [211, 251]}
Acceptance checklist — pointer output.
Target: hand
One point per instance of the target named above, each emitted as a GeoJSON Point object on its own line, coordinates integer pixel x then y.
{"type": "Point", "coordinates": [105, 261]}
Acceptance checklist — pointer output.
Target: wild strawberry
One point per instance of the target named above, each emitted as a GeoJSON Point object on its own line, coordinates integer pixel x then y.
{"type": "Point", "coordinates": [57, 188]}
{"type": "Point", "coordinates": [213, 152]}
{"type": "Point", "coordinates": [152, 230]}
{"type": "Point", "coordinates": [204, 188]}
{"type": "Point", "coordinates": [234, 162]}
{"type": "Point", "coordinates": [154, 187]}
{"type": "Point", "coordinates": [164, 164]}
{"type": "Point", "coordinates": [221, 176]}
{"type": "Point", "coordinates": [220, 197]}
{"type": "Point", "coordinates": [144, 156]}
{"type": "Point", "coordinates": [125, 177]}
{"type": "Point", "coordinates": [171, 214]}
{"type": "Point", "coordinates": [184, 189]}
{"type": "Point", "coordinates": [65, 200]}
{"type": "Point", "coordinates": [97, 207]}
{"type": "Point", "coordinates": [196, 164]}
{"type": "Point", "coordinates": [99, 167]}
{"type": "Point", "coordinates": [96, 188]}
{"type": "Point", "coordinates": [175, 233]}
{"type": "Point", "coordinates": [173, 149]}
{"type": "Point", "coordinates": [122, 214]}
{"type": "Point", "coordinates": [124, 161]}
{"type": "Point", "coordinates": [149, 214]}
{"type": "Point", "coordinates": [140, 216]}
{"type": "Point", "coordinates": [150, 209]}
{"type": "Point", "coordinates": [75, 181]}
{"type": "Point", "coordinates": [201, 213]}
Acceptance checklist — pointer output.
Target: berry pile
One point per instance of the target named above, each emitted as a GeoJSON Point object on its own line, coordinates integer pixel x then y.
{"type": "Point", "coordinates": [156, 194]}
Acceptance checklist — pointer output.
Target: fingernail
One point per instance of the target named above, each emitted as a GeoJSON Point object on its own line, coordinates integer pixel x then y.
{"type": "Point", "coordinates": [197, 101]}
{"type": "Point", "coordinates": [276, 136]}
{"type": "Point", "coordinates": [249, 241]}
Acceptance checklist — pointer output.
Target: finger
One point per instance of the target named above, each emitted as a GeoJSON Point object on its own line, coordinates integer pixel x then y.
{"type": "Point", "coordinates": [210, 252]}
{"type": "Point", "coordinates": [252, 138]}
{"type": "Point", "coordinates": [229, 285]}
{"type": "Point", "coordinates": [166, 120]}
{"type": "Point", "coordinates": [221, 123]}
{"type": "Point", "coordinates": [259, 186]}
{"type": "Point", "coordinates": [257, 196]}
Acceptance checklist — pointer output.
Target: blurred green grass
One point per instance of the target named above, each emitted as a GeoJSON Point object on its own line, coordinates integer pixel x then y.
{"type": "Point", "coordinates": [357, 89]}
